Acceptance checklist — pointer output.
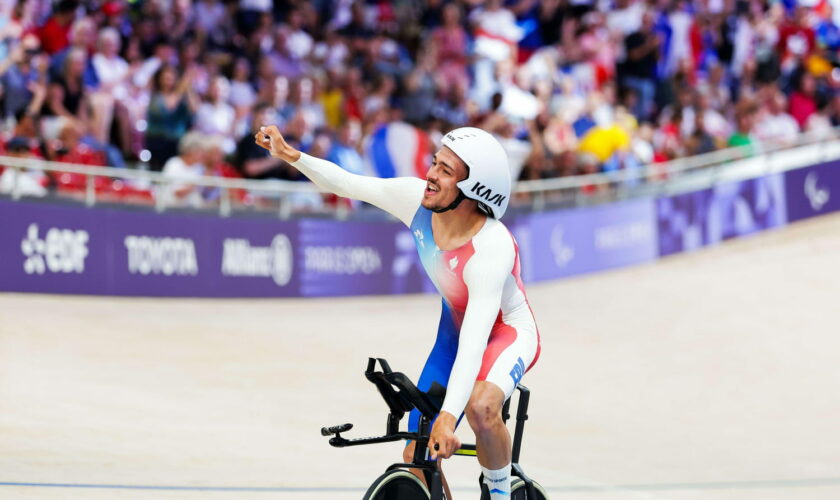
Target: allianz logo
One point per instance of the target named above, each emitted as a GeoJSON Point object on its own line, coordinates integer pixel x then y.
{"type": "Point", "coordinates": [59, 251]}
{"type": "Point", "coordinates": [241, 259]}
{"type": "Point", "coordinates": [161, 256]}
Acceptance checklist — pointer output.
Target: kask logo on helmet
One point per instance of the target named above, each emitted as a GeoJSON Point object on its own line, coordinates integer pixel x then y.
{"type": "Point", "coordinates": [461, 136]}
{"type": "Point", "coordinates": [486, 193]}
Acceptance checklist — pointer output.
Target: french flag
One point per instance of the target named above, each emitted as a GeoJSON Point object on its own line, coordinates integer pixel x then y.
{"type": "Point", "coordinates": [399, 150]}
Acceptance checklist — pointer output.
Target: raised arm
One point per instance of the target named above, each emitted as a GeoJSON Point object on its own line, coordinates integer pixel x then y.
{"type": "Point", "coordinates": [399, 197]}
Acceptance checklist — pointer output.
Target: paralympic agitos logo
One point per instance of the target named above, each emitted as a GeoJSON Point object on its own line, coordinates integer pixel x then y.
{"type": "Point", "coordinates": [486, 193]}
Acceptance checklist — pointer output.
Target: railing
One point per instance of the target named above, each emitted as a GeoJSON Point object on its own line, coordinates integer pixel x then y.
{"type": "Point", "coordinates": [684, 174]}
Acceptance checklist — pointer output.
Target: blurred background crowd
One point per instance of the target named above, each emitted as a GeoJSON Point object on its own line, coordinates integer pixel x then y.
{"type": "Point", "coordinates": [570, 86]}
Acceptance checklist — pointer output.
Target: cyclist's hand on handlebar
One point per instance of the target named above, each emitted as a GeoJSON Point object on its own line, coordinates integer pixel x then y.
{"type": "Point", "coordinates": [442, 441]}
{"type": "Point", "coordinates": [270, 138]}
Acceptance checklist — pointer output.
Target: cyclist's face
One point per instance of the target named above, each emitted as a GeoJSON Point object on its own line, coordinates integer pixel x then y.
{"type": "Point", "coordinates": [442, 179]}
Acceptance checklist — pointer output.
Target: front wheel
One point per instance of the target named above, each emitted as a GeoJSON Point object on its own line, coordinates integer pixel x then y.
{"type": "Point", "coordinates": [519, 491]}
{"type": "Point", "coordinates": [397, 484]}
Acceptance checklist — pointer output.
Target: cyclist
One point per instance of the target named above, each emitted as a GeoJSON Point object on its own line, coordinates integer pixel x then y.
{"type": "Point", "coordinates": [487, 337]}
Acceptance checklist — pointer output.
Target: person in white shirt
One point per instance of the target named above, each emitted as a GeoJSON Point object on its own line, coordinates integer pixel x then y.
{"type": "Point", "coordinates": [188, 165]}
{"type": "Point", "coordinates": [113, 72]}
{"type": "Point", "coordinates": [774, 125]}
{"type": "Point", "coordinates": [299, 42]}
{"type": "Point", "coordinates": [111, 69]}
{"type": "Point", "coordinates": [216, 116]}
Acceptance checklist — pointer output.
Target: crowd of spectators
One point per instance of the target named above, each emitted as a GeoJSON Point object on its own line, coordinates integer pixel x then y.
{"type": "Point", "coordinates": [570, 86]}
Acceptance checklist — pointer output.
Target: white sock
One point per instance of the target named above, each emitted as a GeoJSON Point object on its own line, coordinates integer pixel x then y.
{"type": "Point", "coordinates": [498, 482]}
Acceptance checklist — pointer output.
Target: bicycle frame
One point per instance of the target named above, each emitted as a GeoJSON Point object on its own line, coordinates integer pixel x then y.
{"type": "Point", "coordinates": [407, 397]}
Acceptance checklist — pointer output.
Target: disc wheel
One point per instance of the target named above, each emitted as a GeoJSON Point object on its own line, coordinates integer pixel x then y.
{"type": "Point", "coordinates": [397, 484]}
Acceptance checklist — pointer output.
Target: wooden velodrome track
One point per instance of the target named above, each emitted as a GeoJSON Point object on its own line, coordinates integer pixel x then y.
{"type": "Point", "coordinates": [705, 376]}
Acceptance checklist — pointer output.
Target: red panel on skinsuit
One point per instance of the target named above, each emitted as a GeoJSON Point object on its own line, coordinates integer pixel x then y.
{"type": "Point", "coordinates": [451, 278]}
{"type": "Point", "coordinates": [500, 339]}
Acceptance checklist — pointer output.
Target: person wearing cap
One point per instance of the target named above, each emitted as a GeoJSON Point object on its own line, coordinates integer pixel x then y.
{"type": "Point", "coordinates": [487, 338]}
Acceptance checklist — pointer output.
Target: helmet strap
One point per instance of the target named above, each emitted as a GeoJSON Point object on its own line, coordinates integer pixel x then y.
{"type": "Point", "coordinates": [453, 205]}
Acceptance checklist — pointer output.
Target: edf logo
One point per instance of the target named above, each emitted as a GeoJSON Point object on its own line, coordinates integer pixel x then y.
{"type": "Point", "coordinates": [60, 251]}
{"type": "Point", "coordinates": [518, 371]}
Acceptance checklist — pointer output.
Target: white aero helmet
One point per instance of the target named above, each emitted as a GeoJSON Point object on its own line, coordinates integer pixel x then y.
{"type": "Point", "coordinates": [488, 173]}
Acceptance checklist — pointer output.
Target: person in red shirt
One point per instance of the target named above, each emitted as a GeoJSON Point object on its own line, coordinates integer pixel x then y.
{"type": "Point", "coordinates": [69, 148]}
{"type": "Point", "coordinates": [214, 162]}
{"type": "Point", "coordinates": [450, 47]}
{"type": "Point", "coordinates": [803, 102]}
{"type": "Point", "coordinates": [796, 38]}
{"type": "Point", "coordinates": [54, 34]}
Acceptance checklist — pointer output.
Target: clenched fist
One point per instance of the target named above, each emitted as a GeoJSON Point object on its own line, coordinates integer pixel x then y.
{"type": "Point", "coordinates": [270, 138]}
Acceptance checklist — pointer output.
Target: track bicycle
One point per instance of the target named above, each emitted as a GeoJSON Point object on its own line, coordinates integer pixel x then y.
{"type": "Point", "coordinates": [398, 482]}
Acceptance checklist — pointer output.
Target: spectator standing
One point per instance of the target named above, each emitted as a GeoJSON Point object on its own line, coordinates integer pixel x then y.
{"type": "Point", "coordinates": [626, 17]}
{"type": "Point", "coordinates": [420, 89]}
{"type": "Point", "coordinates": [639, 71]}
{"type": "Point", "coordinates": [171, 108]}
{"type": "Point", "coordinates": [449, 44]}
{"type": "Point", "coordinates": [113, 73]}
{"type": "Point", "coordinates": [679, 24]}
{"type": "Point", "coordinates": [54, 34]}
{"type": "Point", "coordinates": [797, 38]}
{"type": "Point", "coordinates": [12, 26]}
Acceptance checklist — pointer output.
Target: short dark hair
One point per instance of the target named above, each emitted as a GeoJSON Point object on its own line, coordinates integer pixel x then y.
{"type": "Point", "coordinates": [66, 6]}
{"type": "Point", "coordinates": [18, 144]}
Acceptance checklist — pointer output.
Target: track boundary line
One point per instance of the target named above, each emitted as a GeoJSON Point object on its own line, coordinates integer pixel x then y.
{"type": "Point", "coordinates": [712, 485]}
